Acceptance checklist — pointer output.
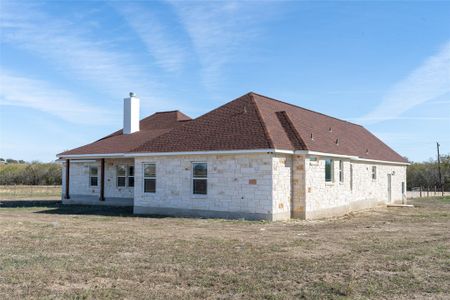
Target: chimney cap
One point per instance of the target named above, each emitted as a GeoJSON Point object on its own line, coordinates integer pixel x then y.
{"type": "Point", "coordinates": [132, 94]}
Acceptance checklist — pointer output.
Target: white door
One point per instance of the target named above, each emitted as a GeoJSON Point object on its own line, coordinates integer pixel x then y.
{"type": "Point", "coordinates": [389, 186]}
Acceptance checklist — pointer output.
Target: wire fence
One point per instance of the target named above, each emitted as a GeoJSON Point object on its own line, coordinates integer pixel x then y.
{"type": "Point", "coordinates": [29, 191]}
{"type": "Point", "coordinates": [421, 192]}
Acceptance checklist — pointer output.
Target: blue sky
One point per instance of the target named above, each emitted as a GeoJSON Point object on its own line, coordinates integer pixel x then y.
{"type": "Point", "coordinates": [67, 65]}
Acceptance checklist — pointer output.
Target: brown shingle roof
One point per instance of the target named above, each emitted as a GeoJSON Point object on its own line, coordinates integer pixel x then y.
{"type": "Point", "coordinates": [150, 128]}
{"type": "Point", "coordinates": [249, 122]}
{"type": "Point", "coordinates": [322, 133]}
{"type": "Point", "coordinates": [233, 126]}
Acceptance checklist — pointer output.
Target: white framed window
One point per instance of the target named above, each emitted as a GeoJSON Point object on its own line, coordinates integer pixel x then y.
{"type": "Point", "coordinates": [121, 174]}
{"type": "Point", "coordinates": [374, 172]}
{"type": "Point", "coordinates": [93, 176]}
{"type": "Point", "coordinates": [199, 178]}
{"type": "Point", "coordinates": [131, 176]}
{"type": "Point", "coordinates": [149, 178]}
{"type": "Point", "coordinates": [341, 171]}
{"type": "Point", "coordinates": [329, 172]}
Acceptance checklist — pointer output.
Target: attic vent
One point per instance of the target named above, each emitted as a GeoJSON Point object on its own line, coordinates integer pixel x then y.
{"type": "Point", "coordinates": [312, 138]}
{"type": "Point", "coordinates": [245, 109]}
{"type": "Point", "coordinates": [337, 142]}
{"type": "Point", "coordinates": [330, 130]}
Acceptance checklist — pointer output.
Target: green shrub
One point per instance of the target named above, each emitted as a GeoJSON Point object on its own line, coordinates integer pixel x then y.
{"type": "Point", "coordinates": [30, 173]}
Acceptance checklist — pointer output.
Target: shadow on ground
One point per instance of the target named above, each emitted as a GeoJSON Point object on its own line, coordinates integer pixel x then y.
{"type": "Point", "coordinates": [57, 208]}
{"type": "Point", "coordinates": [89, 210]}
{"type": "Point", "coordinates": [29, 203]}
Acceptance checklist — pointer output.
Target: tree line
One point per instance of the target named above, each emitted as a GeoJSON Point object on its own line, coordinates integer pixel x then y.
{"type": "Point", "coordinates": [426, 174]}
{"type": "Point", "coordinates": [34, 173]}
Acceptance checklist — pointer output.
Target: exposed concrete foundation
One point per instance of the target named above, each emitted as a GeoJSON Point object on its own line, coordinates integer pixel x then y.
{"type": "Point", "coordinates": [179, 212]}
{"type": "Point", "coordinates": [343, 209]}
{"type": "Point", "coordinates": [94, 200]}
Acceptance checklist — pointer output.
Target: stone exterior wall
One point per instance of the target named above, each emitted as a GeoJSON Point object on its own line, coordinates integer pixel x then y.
{"type": "Point", "coordinates": [252, 186]}
{"type": "Point", "coordinates": [239, 186]}
{"type": "Point", "coordinates": [327, 199]}
{"type": "Point", "coordinates": [82, 193]}
{"type": "Point", "coordinates": [298, 187]}
{"type": "Point", "coordinates": [281, 186]}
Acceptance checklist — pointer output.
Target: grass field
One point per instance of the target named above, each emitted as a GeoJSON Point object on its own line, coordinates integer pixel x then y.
{"type": "Point", "coordinates": [30, 191]}
{"type": "Point", "coordinates": [49, 251]}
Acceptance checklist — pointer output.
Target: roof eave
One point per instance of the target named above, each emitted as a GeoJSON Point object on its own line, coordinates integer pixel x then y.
{"type": "Point", "coordinates": [352, 157]}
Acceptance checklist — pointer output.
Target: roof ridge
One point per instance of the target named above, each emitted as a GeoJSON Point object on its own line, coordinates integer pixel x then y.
{"type": "Point", "coordinates": [260, 119]}
{"type": "Point", "coordinates": [297, 106]}
{"type": "Point", "coordinates": [166, 111]}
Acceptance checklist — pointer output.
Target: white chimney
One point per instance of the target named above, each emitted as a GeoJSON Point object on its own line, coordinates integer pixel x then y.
{"type": "Point", "coordinates": [130, 114]}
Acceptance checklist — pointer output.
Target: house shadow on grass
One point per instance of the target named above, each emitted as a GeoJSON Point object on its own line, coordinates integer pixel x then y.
{"type": "Point", "coordinates": [56, 207]}
{"type": "Point", "coordinates": [23, 203]}
{"type": "Point", "coordinates": [89, 210]}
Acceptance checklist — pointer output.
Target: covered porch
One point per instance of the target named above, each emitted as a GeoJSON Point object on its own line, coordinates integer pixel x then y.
{"type": "Point", "coordinates": [105, 181]}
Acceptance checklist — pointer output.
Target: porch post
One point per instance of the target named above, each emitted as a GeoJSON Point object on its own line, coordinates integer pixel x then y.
{"type": "Point", "coordinates": [102, 180]}
{"type": "Point", "coordinates": [67, 193]}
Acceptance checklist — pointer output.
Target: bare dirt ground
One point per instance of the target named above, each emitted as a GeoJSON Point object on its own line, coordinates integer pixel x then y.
{"type": "Point", "coordinates": [50, 251]}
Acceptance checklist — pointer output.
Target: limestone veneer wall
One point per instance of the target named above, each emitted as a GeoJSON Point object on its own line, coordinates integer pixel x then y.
{"type": "Point", "coordinates": [326, 199]}
{"type": "Point", "coordinates": [281, 186]}
{"type": "Point", "coordinates": [238, 186]}
{"type": "Point", "coordinates": [82, 193]}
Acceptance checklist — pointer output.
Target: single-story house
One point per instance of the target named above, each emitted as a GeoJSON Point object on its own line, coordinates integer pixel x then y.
{"type": "Point", "coordinates": [254, 157]}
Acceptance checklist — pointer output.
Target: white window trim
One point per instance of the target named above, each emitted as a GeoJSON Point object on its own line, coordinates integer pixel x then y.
{"type": "Point", "coordinates": [93, 166]}
{"type": "Point", "coordinates": [341, 173]}
{"type": "Point", "coordinates": [332, 181]}
{"type": "Point", "coordinates": [376, 173]}
{"type": "Point", "coordinates": [117, 176]}
{"type": "Point", "coordinates": [199, 178]}
{"type": "Point", "coordinates": [148, 177]}
{"type": "Point", "coordinates": [128, 176]}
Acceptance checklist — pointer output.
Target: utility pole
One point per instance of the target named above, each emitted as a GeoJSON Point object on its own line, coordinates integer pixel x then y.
{"type": "Point", "coordinates": [439, 169]}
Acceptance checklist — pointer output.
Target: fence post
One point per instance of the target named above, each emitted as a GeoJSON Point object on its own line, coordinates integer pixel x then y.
{"type": "Point", "coordinates": [420, 194]}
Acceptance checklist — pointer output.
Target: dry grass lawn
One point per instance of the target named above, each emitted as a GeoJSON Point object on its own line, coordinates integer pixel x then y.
{"type": "Point", "coordinates": [30, 191]}
{"type": "Point", "coordinates": [49, 251]}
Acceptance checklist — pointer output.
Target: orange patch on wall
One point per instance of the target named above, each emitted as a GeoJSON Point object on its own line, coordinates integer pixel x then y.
{"type": "Point", "coordinates": [252, 181]}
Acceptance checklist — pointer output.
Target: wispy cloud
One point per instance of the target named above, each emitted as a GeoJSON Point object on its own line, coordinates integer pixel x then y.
{"type": "Point", "coordinates": [219, 32]}
{"type": "Point", "coordinates": [161, 44]}
{"type": "Point", "coordinates": [98, 63]}
{"type": "Point", "coordinates": [429, 81]}
{"type": "Point", "coordinates": [27, 92]}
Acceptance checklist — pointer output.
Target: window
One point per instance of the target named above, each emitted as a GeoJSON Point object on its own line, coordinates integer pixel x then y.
{"type": "Point", "coordinates": [121, 175]}
{"type": "Point", "coordinates": [374, 172]}
{"type": "Point", "coordinates": [328, 170]}
{"type": "Point", "coordinates": [149, 178]}
{"type": "Point", "coordinates": [130, 176]}
{"type": "Point", "coordinates": [199, 178]}
{"type": "Point", "coordinates": [93, 176]}
{"type": "Point", "coordinates": [341, 171]}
